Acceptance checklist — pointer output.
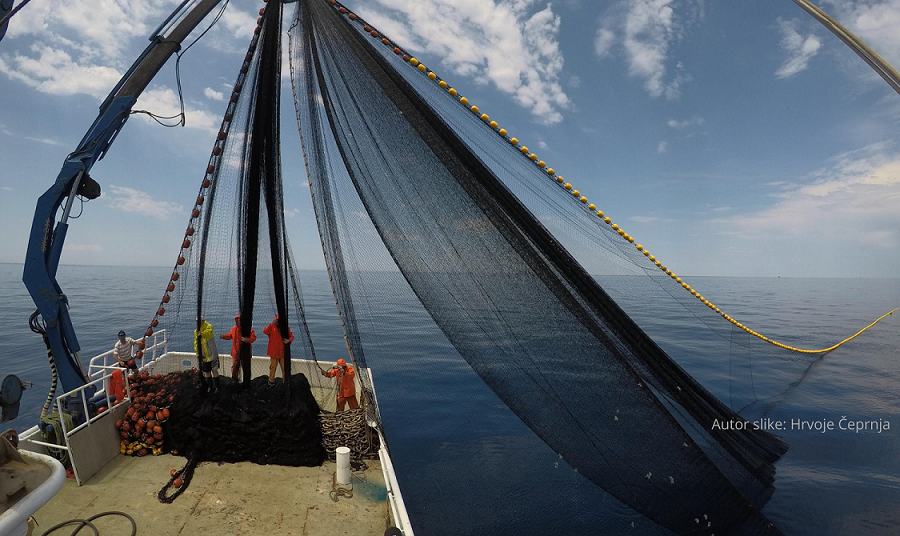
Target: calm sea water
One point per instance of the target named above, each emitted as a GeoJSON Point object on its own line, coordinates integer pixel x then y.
{"type": "Point", "coordinates": [467, 465]}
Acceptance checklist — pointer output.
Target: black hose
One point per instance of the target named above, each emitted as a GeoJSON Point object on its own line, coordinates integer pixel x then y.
{"type": "Point", "coordinates": [87, 523]}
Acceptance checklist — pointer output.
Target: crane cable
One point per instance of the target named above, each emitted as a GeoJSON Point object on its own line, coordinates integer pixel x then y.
{"type": "Point", "coordinates": [13, 12]}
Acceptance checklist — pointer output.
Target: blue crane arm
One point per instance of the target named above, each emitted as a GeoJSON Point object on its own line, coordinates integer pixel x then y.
{"type": "Point", "coordinates": [47, 235]}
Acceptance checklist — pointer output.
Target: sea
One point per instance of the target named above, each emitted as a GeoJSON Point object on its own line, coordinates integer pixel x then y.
{"type": "Point", "coordinates": [467, 465]}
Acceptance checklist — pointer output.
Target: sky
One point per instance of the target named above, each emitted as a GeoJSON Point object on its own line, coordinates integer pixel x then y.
{"type": "Point", "coordinates": [730, 138]}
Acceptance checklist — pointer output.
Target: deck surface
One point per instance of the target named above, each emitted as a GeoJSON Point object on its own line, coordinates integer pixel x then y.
{"type": "Point", "coordinates": [228, 499]}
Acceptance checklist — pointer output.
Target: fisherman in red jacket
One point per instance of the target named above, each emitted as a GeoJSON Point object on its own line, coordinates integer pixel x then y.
{"type": "Point", "coordinates": [235, 337]}
{"type": "Point", "coordinates": [276, 348]}
{"type": "Point", "coordinates": [346, 386]}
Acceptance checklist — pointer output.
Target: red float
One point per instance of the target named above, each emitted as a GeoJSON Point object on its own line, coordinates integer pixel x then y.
{"type": "Point", "coordinates": [166, 298]}
{"type": "Point", "coordinates": [142, 345]}
{"type": "Point", "coordinates": [149, 332]}
{"type": "Point", "coordinates": [161, 311]}
{"type": "Point", "coordinates": [186, 244]}
{"type": "Point", "coordinates": [397, 50]}
{"type": "Point", "coordinates": [171, 286]}
{"type": "Point", "coordinates": [217, 151]}
{"type": "Point", "coordinates": [154, 322]}
{"type": "Point", "coordinates": [205, 183]}
{"type": "Point", "coordinates": [175, 276]}
{"type": "Point", "coordinates": [342, 10]}
{"type": "Point", "coordinates": [352, 16]}
{"type": "Point", "coordinates": [228, 117]}
{"type": "Point", "coordinates": [261, 11]}
{"type": "Point", "coordinates": [195, 213]}
{"type": "Point", "coordinates": [180, 261]}
{"type": "Point", "coordinates": [222, 135]}
{"type": "Point", "coordinates": [373, 33]}
{"type": "Point", "coordinates": [139, 354]}
{"type": "Point", "coordinates": [367, 28]}
{"type": "Point", "coordinates": [210, 168]}
{"type": "Point", "coordinates": [199, 199]}
{"type": "Point", "coordinates": [405, 57]}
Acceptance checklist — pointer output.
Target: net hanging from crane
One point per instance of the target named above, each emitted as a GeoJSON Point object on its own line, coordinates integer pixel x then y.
{"type": "Point", "coordinates": [515, 276]}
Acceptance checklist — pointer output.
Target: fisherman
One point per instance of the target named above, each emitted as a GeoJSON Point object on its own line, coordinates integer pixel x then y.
{"type": "Point", "coordinates": [275, 349]}
{"type": "Point", "coordinates": [346, 386]}
{"type": "Point", "coordinates": [122, 351]}
{"type": "Point", "coordinates": [235, 337]}
{"type": "Point", "coordinates": [208, 356]}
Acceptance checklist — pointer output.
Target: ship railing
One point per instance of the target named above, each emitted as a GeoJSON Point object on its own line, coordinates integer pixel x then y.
{"type": "Point", "coordinates": [157, 347]}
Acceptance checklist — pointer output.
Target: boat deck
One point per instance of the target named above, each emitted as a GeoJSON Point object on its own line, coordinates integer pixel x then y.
{"type": "Point", "coordinates": [228, 499]}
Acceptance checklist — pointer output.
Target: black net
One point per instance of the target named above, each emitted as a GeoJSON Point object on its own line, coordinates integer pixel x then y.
{"type": "Point", "coordinates": [530, 288]}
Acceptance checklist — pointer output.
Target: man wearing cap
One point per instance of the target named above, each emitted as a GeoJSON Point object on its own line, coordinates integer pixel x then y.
{"type": "Point", "coordinates": [235, 337]}
{"type": "Point", "coordinates": [346, 387]}
{"type": "Point", "coordinates": [122, 351]}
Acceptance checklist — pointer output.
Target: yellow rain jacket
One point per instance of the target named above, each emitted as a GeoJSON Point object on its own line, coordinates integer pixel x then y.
{"type": "Point", "coordinates": [206, 335]}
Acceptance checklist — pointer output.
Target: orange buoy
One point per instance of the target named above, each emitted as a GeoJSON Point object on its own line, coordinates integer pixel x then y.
{"type": "Point", "coordinates": [177, 482]}
{"type": "Point", "coordinates": [222, 135]}
{"type": "Point", "coordinates": [171, 287]}
{"type": "Point", "coordinates": [199, 199]}
{"type": "Point", "coordinates": [217, 150]}
{"type": "Point", "coordinates": [154, 322]}
{"type": "Point", "coordinates": [342, 10]}
{"type": "Point", "coordinates": [175, 276]}
{"type": "Point", "coordinates": [258, 20]}
{"type": "Point", "coordinates": [206, 183]}
{"type": "Point", "coordinates": [186, 244]}
{"type": "Point", "coordinates": [142, 345]}
{"type": "Point", "coordinates": [234, 97]}
{"type": "Point", "coordinates": [261, 11]}
{"type": "Point", "coordinates": [101, 409]}
{"type": "Point", "coordinates": [161, 311]}
{"type": "Point", "coordinates": [210, 169]}
{"type": "Point", "coordinates": [195, 213]}
{"type": "Point", "coordinates": [228, 116]}
{"type": "Point", "coordinates": [166, 298]}
{"type": "Point", "coordinates": [367, 28]}
{"type": "Point", "coordinates": [149, 332]}
{"type": "Point", "coordinates": [172, 472]}
{"type": "Point", "coordinates": [180, 261]}
{"type": "Point", "coordinates": [352, 16]}
{"type": "Point", "coordinates": [397, 50]}
{"type": "Point", "coordinates": [405, 57]}
{"type": "Point", "coordinates": [373, 33]}
{"type": "Point", "coordinates": [384, 41]}
{"type": "Point", "coordinates": [190, 230]}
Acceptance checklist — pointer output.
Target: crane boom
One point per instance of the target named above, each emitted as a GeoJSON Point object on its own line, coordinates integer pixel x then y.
{"type": "Point", "coordinates": [46, 239]}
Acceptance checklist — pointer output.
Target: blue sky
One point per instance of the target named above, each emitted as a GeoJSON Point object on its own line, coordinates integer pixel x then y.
{"type": "Point", "coordinates": [730, 138]}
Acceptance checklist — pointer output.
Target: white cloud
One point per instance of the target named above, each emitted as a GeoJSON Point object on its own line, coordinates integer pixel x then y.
{"type": "Point", "coordinates": [542, 144]}
{"type": "Point", "coordinates": [213, 94]}
{"type": "Point", "coordinates": [164, 101]}
{"type": "Point", "coordinates": [131, 200]}
{"type": "Point", "coordinates": [646, 30]}
{"type": "Point", "coordinates": [603, 42]}
{"type": "Point", "coordinates": [857, 196]}
{"type": "Point", "coordinates": [54, 71]}
{"type": "Point", "coordinates": [721, 209]}
{"type": "Point", "coordinates": [47, 141]}
{"type": "Point", "coordinates": [662, 147]}
{"type": "Point", "coordinates": [502, 42]}
{"type": "Point", "coordinates": [7, 188]}
{"type": "Point", "coordinates": [799, 49]}
{"type": "Point", "coordinates": [685, 123]}
{"type": "Point", "coordinates": [874, 21]}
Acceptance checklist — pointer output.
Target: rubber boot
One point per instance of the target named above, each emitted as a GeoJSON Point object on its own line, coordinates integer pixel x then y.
{"type": "Point", "coordinates": [204, 386]}
{"type": "Point", "coordinates": [215, 384]}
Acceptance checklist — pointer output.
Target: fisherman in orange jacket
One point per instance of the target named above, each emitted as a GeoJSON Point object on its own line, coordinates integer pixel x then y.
{"type": "Point", "coordinates": [346, 387]}
{"type": "Point", "coordinates": [235, 337]}
{"type": "Point", "coordinates": [275, 349]}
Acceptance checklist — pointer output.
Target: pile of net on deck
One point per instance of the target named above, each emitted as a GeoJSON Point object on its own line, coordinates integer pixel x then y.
{"type": "Point", "coordinates": [524, 281]}
{"type": "Point", "coordinates": [236, 261]}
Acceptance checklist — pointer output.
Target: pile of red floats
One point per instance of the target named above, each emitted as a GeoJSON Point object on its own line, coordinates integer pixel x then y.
{"type": "Point", "coordinates": [142, 429]}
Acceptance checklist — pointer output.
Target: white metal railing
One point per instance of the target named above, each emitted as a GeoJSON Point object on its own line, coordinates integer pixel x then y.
{"type": "Point", "coordinates": [158, 346]}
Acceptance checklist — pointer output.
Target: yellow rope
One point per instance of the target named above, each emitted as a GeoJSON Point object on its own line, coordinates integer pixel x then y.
{"type": "Point", "coordinates": [434, 77]}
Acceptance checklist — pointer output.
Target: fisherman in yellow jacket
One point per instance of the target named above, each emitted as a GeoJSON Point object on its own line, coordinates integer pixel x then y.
{"type": "Point", "coordinates": [208, 356]}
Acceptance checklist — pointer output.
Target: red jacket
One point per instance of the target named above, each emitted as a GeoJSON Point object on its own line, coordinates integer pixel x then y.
{"type": "Point", "coordinates": [276, 343]}
{"type": "Point", "coordinates": [345, 381]}
{"type": "Point", "coordinates": [235, 337]}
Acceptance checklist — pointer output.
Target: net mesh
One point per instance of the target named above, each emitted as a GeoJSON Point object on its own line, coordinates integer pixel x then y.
{"type": "Point", "coordinates": [533, 291]}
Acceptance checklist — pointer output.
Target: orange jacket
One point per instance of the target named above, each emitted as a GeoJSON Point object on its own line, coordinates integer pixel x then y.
{"type": "Point", "coordinates": [345, 381]}
{"type": "Point", "coordinates": [235, 337]}
{"type": "Point", "coordinates": [276, 343]}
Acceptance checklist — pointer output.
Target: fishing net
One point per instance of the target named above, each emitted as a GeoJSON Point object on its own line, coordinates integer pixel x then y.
{"type": "Point", "coordinates": [234, 300]}
{"type": "Point", "coordinates": [534, 290]}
